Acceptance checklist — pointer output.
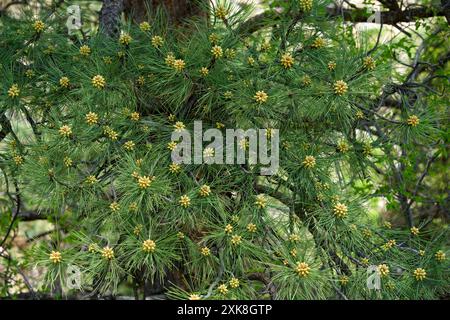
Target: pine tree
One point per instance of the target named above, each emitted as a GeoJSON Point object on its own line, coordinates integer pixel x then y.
{"type": "Point", "coordinates": [96, 156]}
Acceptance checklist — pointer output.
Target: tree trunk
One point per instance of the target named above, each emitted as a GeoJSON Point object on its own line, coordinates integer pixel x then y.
{"type": "Point", "coordinates": [110, 17]}
{"type": "Point", "coordinates": [138, 10]}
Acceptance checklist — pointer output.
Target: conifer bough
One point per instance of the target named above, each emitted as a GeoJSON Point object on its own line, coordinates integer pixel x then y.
{"type": "Point", "coordinates": [95, 156]}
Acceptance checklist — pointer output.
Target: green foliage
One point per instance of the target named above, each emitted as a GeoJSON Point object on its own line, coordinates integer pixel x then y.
{"type": "Point", "coordinates": [98, 158]}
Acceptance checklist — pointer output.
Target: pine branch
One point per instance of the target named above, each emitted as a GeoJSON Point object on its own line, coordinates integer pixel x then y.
{"type": "Point", "coordinates": [391, 17]}
{"type": "Point", "coordinates": [18, 203]}
{"type": "Point", "coordinates": [270, 287]}
{"type": "Point", "coordinates": [6, 126]}
{"type": "Point", "coordinates": [10, 4]}
{"type": "Point", "coordinates": [32, 215]}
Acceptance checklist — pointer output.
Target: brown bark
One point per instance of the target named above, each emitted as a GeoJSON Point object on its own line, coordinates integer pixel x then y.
{"type": "Point", "coordinates": [110, 17]}
{"type": "Point", "coordinates": [138, 11]}
{"type": "Point", "coordinates": [391, 17]}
